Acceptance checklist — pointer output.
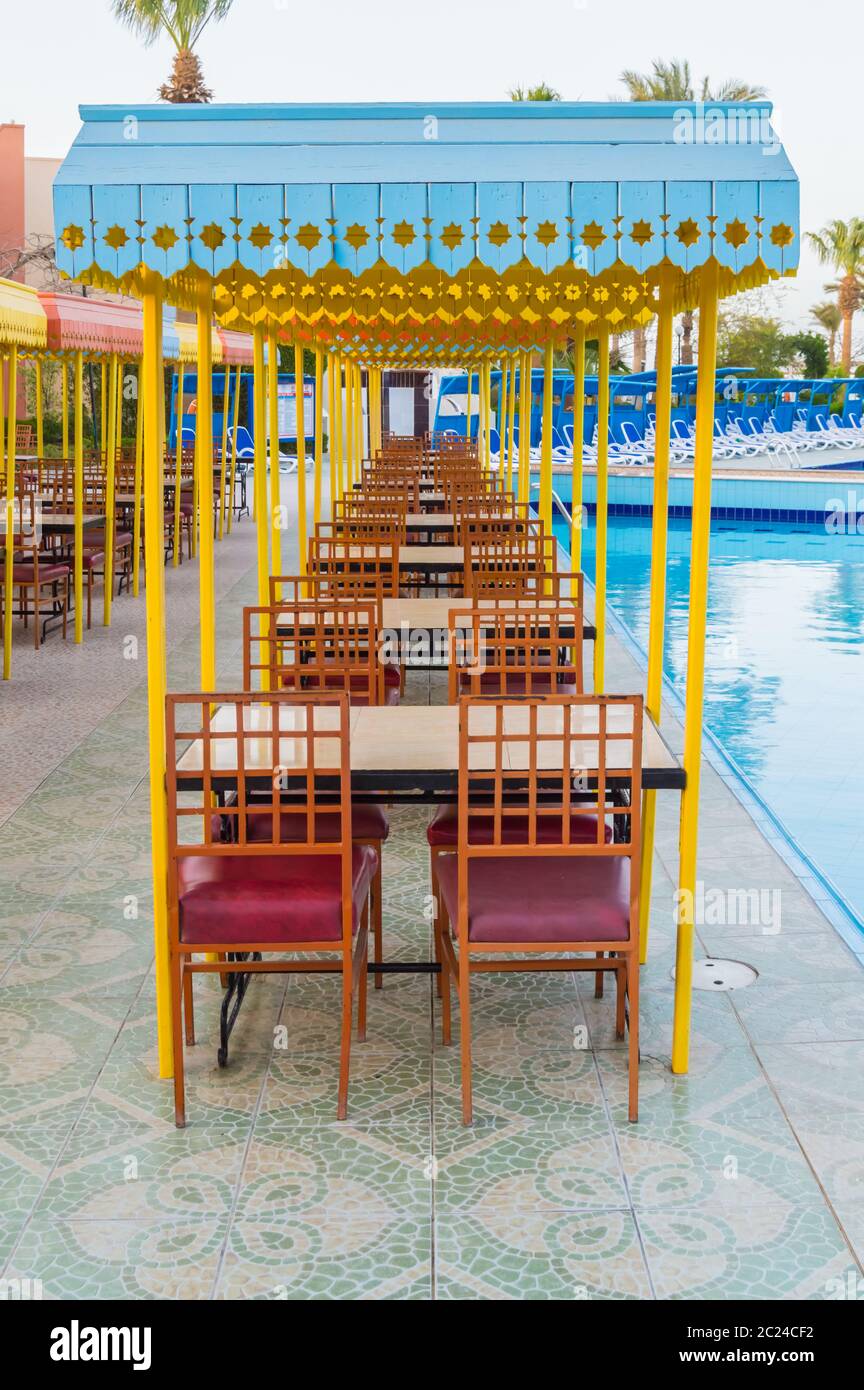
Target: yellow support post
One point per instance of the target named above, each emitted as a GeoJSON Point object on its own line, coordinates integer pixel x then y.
{"type": "Point", "coordinates": [223, 457]}
{"type": "Point", "coordinates": [376, 446]}
{"type": "Point", "coordinates": [481, 416]}
{"type": "Point", "coordinates": [359, 452]}
{"type": "Point", "coordinates": [577, 514]}
{"type": "Point", "coordinates": [546, 450]}
{"type": "Point", "coordinates": [319, 436]}
{"type": "Point", "coordinates": [259, 408]}
{"type": "Point", "coordinates": [331, 427]}
{"type": "Point", "coordinates": [204, 454]}
{"type": "Point", "coordinates": [657, 622]}
{"type": "Point", "coordinates": [301, 460]}
{"type": "Point", "coordinates": [469, 405]}
{"type": "Point", "coordinates": [602, 507]}
{"type": "Point", "coordinates": [110, 475]}
{"type": "Point", "coordinates": [525, 426]}
{"type": "Point", "coordinates": [503, 409]}
{"type": "Point", "coordinates": [196, 496]}
{"type": "Point", "coordinates": [64, 409]}
{"type": "Point", "coordinates": [136, 490]}
{"type": "Point", "coordinates": [9, 548]}
{"type": "Point", "coordinates": [487, 412]}
{"type": "Point", "coordinates": [40, 412]}
{"type": "Point", "coordinates": [235, 416]}
{"type": "Point", "coordinates": [338, 423]}
{"type": "Point", "coordinates": [511, 429]}
{"type": "Point", "coordinates": [103, 418]}
{"type": "Point", "coordinates": [696, 629]}
{"type": "Point", "coordinates": [178, 463]}
{"type": "Point", "coordinates": [78, 498]}
{"type": "Point", "coordinates": [349, 424]}
{"type": "Point", "coordinates": [154, 522]}
{"type": "Point", "coordinates": [273, 438]}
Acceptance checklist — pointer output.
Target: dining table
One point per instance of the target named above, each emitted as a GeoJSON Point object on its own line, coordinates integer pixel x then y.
{"type": "Point", "coordinates": [403, 753]}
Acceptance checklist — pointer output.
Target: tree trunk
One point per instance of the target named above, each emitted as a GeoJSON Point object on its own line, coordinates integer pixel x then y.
{"type": "Point", "coordinates": [687, 339]}
{"type": "Point", "coordinates": [846, 348]}
{"type": "Point", "coordinates": [848, 300]}
{"type": "Point", "coordinates": [639, 349]}
{"type": "Point", "coordinates": [187, 80]}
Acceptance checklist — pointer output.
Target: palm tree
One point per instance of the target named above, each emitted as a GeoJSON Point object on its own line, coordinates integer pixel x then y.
{"type": "Point", "coordinates": [673, 81]}
{"type": "Point", "coordinates": [184, 21]}
{"type": "Point", "coordinates": [828, 316]}
{"type": "Point", "coordinates": [542, 92]}
{"type": "Point", "coordinates": [841, 246]}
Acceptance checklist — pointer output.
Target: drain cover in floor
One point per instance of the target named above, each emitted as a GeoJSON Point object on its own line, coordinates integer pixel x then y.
{"type": "Point", "coordinates": [722, 975]}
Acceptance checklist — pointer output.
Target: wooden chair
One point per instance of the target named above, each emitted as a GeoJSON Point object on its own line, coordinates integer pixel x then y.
{"type": "Point", "coordinates": [366, 683]}
{"type": "Point", "coordinates": [317, 644]}
{"type": "Point", "coordinates": [240, 897]}
{"type": "Point", "coordinates": [524, 884]}
{"type": "Point", "coordinates": [502, 562]}
{"type": "Point", "coordinates": [371, 505]}
{"type": "Point", "coordinates": [376, 529]}
{"type": "Point", "coordinates": [370, 560]}
{"type": "Point", "coordinates": [514, 649]}
{"type": "Point", "coordinates": [484, 586]}
{"type": "Point", "coordinates": [41, 579]}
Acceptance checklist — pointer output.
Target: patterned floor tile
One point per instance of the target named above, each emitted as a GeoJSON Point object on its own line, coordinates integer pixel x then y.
{"type": "Point", "coordinates": [388, 1083]}
{"type": "Point", "coordinates": [714, 1022]}
{"type": "Point", "coordinates": [800, 958]}
{"type": "Point", "coordinates": [120, 1259]}
{"type": "Point", "coordinates": [767, 1253]}
{"type": "Point", "coordinates": [525, 1084]}
{"type": "Point", "coordinates": [264, 1194]}
{"type": "Point", "coordinates": [527, 1166]}
{"type": "Point", "coordinates": [812, 1012]}
{"type": "Point", "coordinates": [499, 1254]}
{"type": "Point", "coordinates": [328, 1255]}
{"type": "Point", "coordinates": [158, 1175]}
{"type": "Point", "coordinates": [358, 1169]}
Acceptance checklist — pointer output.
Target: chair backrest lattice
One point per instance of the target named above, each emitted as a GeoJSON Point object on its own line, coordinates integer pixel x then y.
{"type": "Point", "coordinates": [515, 648]}
{"type": "Point", "coordinates": [314, 645]}
{"type": "Point", "coordinates": [545, 760]}
{"type": "Point", "coordinates": [371, 560]}
{"type": "Point", "coordinates": [266, 749]}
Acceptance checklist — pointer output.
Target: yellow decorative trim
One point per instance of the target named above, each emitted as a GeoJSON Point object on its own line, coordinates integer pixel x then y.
{"type": "Point", "coordinates": [23, 322]}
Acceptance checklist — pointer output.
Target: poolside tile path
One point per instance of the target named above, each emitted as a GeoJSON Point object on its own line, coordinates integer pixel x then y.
{"type": "Point", "coordinates": [744, 1179]}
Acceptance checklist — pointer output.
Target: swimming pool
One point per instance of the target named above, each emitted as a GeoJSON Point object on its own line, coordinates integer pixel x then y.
{"type": "Point", "coordinates": [785, 666]}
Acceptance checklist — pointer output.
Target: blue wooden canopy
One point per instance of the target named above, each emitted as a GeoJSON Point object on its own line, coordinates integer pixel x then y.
{"type": "Point", "coordinates": [252, 195]}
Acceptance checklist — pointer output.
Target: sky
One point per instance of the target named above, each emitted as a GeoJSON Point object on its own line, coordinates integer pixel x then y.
{"type": "Point", "coordinates": [405, 50]}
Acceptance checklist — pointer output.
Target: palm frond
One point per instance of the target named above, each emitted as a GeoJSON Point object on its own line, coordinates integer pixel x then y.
{"type": "Point", "coordinates": [734, 90]}
{"type": "Point", "coordinates": [183, 21]}
{"type": "Point", "coordinates": [673, 81]}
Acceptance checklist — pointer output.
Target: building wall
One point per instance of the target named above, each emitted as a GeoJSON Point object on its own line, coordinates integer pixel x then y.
{"type": "Point", "coordinates": [12, 193]}
{"type": "Point", "coordinates": [39, 213]}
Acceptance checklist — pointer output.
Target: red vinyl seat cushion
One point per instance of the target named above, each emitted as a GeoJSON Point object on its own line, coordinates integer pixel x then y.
{"type": "Point", "coordinates": [443, 829]}
{"type": "Point", "coordinates": [367, 823]}
{"type": "Point", "coordinates": [359, 689]}
{"type": "Point", "coordinates": [23, 574]}
{"type": "Point", "coordinates": [95, 540]}
{"type": "Point", "coordinates": [574, 898]}
{"type": "Point", "coordinates": [517, 682]}
{"type": "Point", "coordinates": [276, 898]}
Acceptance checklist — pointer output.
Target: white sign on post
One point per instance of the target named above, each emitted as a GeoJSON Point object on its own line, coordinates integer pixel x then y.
{"type": "Point", "coordinates": [286, 397]}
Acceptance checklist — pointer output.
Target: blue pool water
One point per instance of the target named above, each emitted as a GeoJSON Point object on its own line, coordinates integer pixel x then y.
{"type": "Point", "coordinates": [785, 666]}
